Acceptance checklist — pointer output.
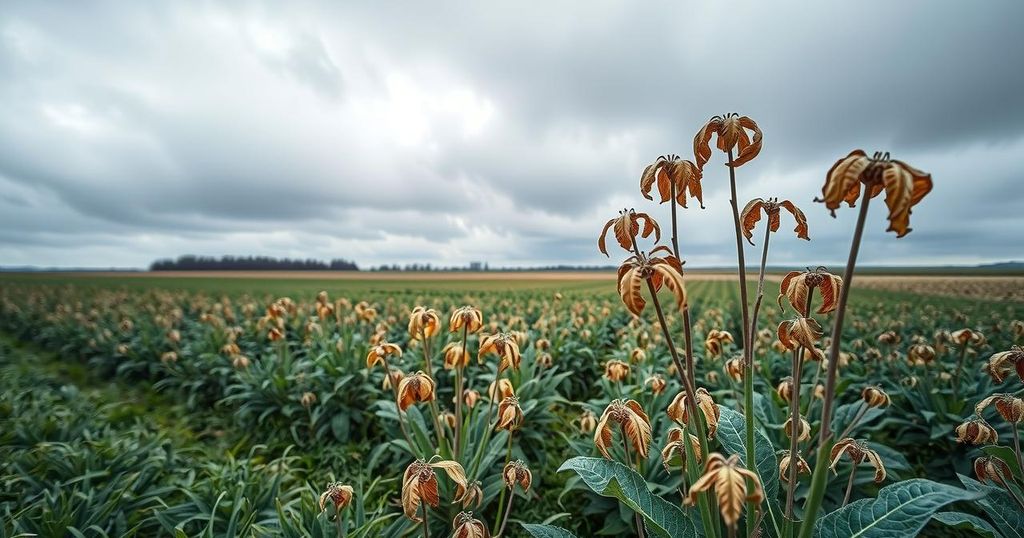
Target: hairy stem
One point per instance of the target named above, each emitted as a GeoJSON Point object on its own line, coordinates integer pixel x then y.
{"type": "Point", "coordinates": [820, 476]}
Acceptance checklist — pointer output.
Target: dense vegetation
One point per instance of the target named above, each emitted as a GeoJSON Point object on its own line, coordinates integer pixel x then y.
{"type": "Point", "coordinates": [190, 262]}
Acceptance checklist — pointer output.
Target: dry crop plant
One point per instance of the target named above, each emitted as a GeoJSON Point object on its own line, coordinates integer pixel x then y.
{"type": "Point", "coordinates": [733, 480]}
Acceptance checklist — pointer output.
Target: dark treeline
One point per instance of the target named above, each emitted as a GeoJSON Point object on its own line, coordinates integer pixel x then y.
{"type": "Point", "coordinates": [249, 263]}
{"type": "Point", "coordinates": [476, 266]}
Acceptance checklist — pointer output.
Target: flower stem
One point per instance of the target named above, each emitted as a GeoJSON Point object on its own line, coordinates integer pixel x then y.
{"type": "Point", "coordinates": [398, 409]}
{"type": "Point", "coordinates": [1016, 445]}
{"type": "Point", "coordinates": [820, 476]}
{"type": "Point", "coordinates": [458, 394]}
{"type": "Point", "coordinates": [794, 410]}
{"type": "Point", "coordinates": [426, 527]}
{"type": "Point", "coordinates": [434, 413]}
{"type": "Point", "coordinates": [501, 500]}
{"type": "Point", "coordinates": [636, 515]}
{"type": "Point", "coordinates": [508, 510]}
{"type": "Point", "coordinates": [849, 485]}
{"type": "Point", "coordinates": [748, 356]}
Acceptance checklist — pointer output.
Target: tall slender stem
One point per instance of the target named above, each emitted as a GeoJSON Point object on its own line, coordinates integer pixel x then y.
{"type": "Point", "coordinates": [458, 394]}
{"type": "Point", "coordinates": [687, 331]}
{"type": "Point", "coordinates": [508, 510]}
{"type": "Point", "coordinates": [1016, 446]}
{"type": "Point", "coordinates": [401, 421]}
{"type": "Point", "coordinates": [820, 476]}
{"type": "Point", "coordinates": [748, 357]}
{"type": "Point", "coordinates": [426, 527]}
{"type": "Point", "coordinates": [501, 499]}
{"type": "Point", "coordinates": [794, 410]}
{"type": "Point", "coordinates": [849, 485]}
{"type": "Point", "coordinates": [434, 413]}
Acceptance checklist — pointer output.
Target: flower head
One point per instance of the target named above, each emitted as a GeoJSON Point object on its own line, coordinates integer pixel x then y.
{"type": "Point", "coordinates": [804, 433]}
{"type": "Point", "coordinates": [418, 387]}
{"type": "Point", "coordinates": [729, 480]}
{"type": "Point", "coordinates": [503, 345]}
{"type": "Point", "coordinates": [502, 388]}
{"type": "Point", "coordinates": [423, 322]}
{"type": "Point", "coordinates": [637, 269]}
{"type": "Point", "coordinates": [1010, 407]}
{"type": "Point", "coordinates": [379, 353]}
{"type": "Point", "coordinates": [516, 472]}
{"type": "Point", "coordinates": [786, 463]}
{"type": "Point", "coordinates": [798, 285]}
{"type": "Point", "coordinates": [419, 485]}
{"type": "Point", "coordinates": [976, 432]}
{"type": "Point", "coordinates": [467, 317]}
{"type": "Point", "coordinates": [633, 421]}
{"type": "Point", "coordinates": [904, 185]}
{"type": "Point", "coordinates": [656, 382]}
{"type": "Point", "coordinates": [874, 396]}
{"type": "Point", "coordinates": [675, 447]}
{"type": "Point", "coordinates": [466, 526]}
{"type": "Point", "coordinates": [671, 170]}
{"type": "Point", "coordinates": [455, 355]}
{"type": "Point", "coordinates": [338, 495]}
{"type": "Point", "coordinates": [626, 227]}
{"type": "Point", "coordinates": [992, 468]}
{"type": "Point", "coordinates": [715, 342]}
{"type": "Point", "coordinates": [801, 332]}
{"type": "Point", "coordinates": [705, 403]}
{"type": "Point", "coordinates": [858, 452]}
{"type": "Point", "coordinates": [731, 130]}
{"type": "Point", "coordinates": [773, 208]}
{"type": "Point", "coordinates": [510, 415]}
{"type": "Point", "coordinates": [615, 371]}
{"type": "Point", "coordinates": [1000, 364]}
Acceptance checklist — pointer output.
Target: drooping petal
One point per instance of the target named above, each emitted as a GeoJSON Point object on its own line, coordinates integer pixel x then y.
{"type": "Point", "coordinates": [799, 217]}
{"type": "Point", "coordinates": [750, 216]}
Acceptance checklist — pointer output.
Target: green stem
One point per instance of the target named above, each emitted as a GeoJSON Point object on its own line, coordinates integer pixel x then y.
{"type": "Point", "coordinates": [636, 515]}
{"type": "Point", "coordinates": [820, 476]}
{"type": "Point", "coordinates": [501, 499]}
{"type": "Point", "coordinates": [458, 394]}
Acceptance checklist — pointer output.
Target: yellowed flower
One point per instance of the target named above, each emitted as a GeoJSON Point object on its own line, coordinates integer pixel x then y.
{"type": "Point", "coordinates": [338, 495]}
{"type": "Point", "coordinates": [874, 396]}
{"type": "Point", "coordinates": [705, 403]}
{"type": "Point", "coordinates": [418, 387]}
{"type": "Point", "coordinates": [731, 130]}
{"type": "Point", "coordinates": [798, 285]}
{"type": "Point", "coordinates": [632, 420]}
{"type": "Point", "coordinates": [668, 171]}
{"type": "Point", "coordinates": [467, 317]}
{"type": "Point", "coordinates": [423, 322]}
{"type": "Point", "coordinates": [626, 227]}
{"type": "Point", "coordinates": [510, 415]}
{"type": "Point", "coordinates": [772, 207]}
{"type": "Point", "coordinates": [715, 342]}
{"type": "Point", "coordinates": [858, 452]}
{"type": "Point", "coordinates": [674, 447]}
{"type": "Point", "coordinates": [505, 347]}
{"type": "Point", "coordinates": [616, 371]}
{"type": "Point", "coordinates": [729, 480]}
{"type": "Point", "coordinates": [378, 354]}
{"type": "Point", "coordinates": [517, 473]}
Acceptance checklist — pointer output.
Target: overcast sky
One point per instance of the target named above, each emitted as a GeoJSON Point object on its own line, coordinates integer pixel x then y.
{"type": "Point", "coordinates": [506, 132]}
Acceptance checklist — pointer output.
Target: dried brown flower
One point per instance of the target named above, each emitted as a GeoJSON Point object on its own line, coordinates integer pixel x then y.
{"type": "Point", "coordinates": [468, 317]}
{"type": "Point", "coordinates": [772, 207]}
{"type": "Point", "coordinates": [516, 472]}
{"type": "Point", "coordinates": [510, 415]}
{"type": "Point", "coordinates": [732, 135]}
{"type": "Point", "coordinates": [419, 485]}
{"type": "Point", "coordinates": [674, 447]}
{"type": "Point", "coordinates": [874, 396]}
{"type": "Point", "coordinates": [669, 170]}
{"type": "Point", "coordinates": [801, 332]}
{"type": "Point", "coordinates": [380, 352]}
{"type": "Point", "coordinates": [677, 409]}
{"type": "Point", "coordinates": [787, 460]}
{"type": "Point", "coordinates": [626, 227]}
{"type": "Point", "coordinates": [633, 421]}
{"type": "Point", "coordinates": [635, 271]}
{"type": "Point", "coordinates": [615, 371]}
{"type": "Point", "coordinates": [992, 468]}
{"type": "Point", "coordinates": [715, 341]}
{"type": "Point", "coordinates": [418, 387]}
{"type": "Point", "coordinates": [503, 345]}
{"type": "Point", "coordinates": [1010, 407]}
{"type": "Point", "coordinates": [423, 322]}
{"type": "Point", "coordinates": [797, 285]}
{"type": "Point", "coordinates": [858, 452]}
{"type": "Point", "coordinates": [729, 480]}
{"type": "Point", "coordinates": [976, 432]}
{"type": "Point", "coordinates": [338, 495]}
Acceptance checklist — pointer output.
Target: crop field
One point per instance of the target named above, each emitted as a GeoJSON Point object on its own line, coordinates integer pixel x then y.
{"type": "Point", "coordinates": [206, 405]}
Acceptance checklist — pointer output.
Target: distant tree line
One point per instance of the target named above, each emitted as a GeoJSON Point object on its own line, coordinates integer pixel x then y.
{"type": "Point", "coordinates": [476, 266]}
{"type": "Point", "coordinates": [249, 263]}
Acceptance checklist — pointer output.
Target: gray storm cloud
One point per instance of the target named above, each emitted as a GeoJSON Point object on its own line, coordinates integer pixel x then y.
{"type": "Point", "coordinates": [449, 132]}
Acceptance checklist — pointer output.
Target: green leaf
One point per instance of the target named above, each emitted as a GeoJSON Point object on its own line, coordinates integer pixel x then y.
{"type": "Point", "coordinates": [546, 531]}
{"type": "Point", "coordinates": [613, 479]}
{"type": "Point", "coordinates": [731, 433]}
{"type": "Point", "coordinates": [900, 510]}
{"type": "Point", "coordinates": [962, 521]}
{"type": "Point", "coordinates": [1004, 512]}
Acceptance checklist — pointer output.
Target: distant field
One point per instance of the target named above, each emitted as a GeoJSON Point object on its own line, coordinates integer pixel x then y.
{"type": "Point", "coordinates": [969, 287]}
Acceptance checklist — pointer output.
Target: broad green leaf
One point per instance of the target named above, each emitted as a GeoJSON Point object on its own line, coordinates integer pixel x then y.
{"type": "Point", "coordinates": [900, 510]}
{"type": "Point", "coordinates": [546, 531]}
{"type": "Point", "coordinates": [731, 433]}
{"type": "Point", "coordinates": [845, 414]}
{"type": "Point", "coordinates": [1004, 512]}
{"type": "Point", "coordinates": [613, 479]}
{"type": "Point", "coordinates": [962, 521]}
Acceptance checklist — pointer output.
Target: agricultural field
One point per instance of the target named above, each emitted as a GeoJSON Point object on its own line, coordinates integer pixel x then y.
{"type": "Point", "coordinates": [142, 405]}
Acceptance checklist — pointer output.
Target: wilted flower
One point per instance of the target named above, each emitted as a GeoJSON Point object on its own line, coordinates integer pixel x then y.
{"type": "Point", "coordinates": [418, 387]}
{"type": "Point", "coordinates": [504, 346]}
{"type": "Point", "coordinates": [637, 355]}
{"type": "Point", "coordinates": [976, 432]}
{"type": "Point", "coordinates": [920, 354]}
{"type": "Point", "coordinates": [393, 379]}
{"type": "Point", "coordinates": [729, 479]}
{"type": "Point", "coordinates": [904, 185]}
{"type": "Point", "coordinates": [1010, 407]}
{"type": "Point", "coordinates": [805, 429]}
{"type": "Point", "coordinates": [656, 382]}
{"type": "Point", "coordinates": [1000, 364]}
{"type": "Point", "coordinates": [801, 332]}
{"type": "Point", "coordinates": [732, 135]}
{"type": "Point", "coordinates": [455, 355]}
{"type": "Point", "coordinates": [636, 427]}
{"type": "Point", "coordinates": [275, 334]}
{"type": "Point", "coordinates": [587, 421]}
{"type": "Point", "coordinates": [626, 227]}
{"type": "Point", "coordinates": [785, 389]}
{"type": "Point", "coordinates": [615, 371]}
{"type": "Point", "coordinates": [504, 389]}
{"type": "Point", "coordinates": [240, 362]}
{"type": "Point", "coordinates": [797, 285]}
{"type": "Point", "coordinates": [787, 460]}
{"type": "Point", "coordinates": [510, 415]}
{"type": "Point", "coordinates": [889, 338]}
{"type": "Point", "coordinates": [470, 397]}
{"type": "Point", "coordinates": [675, 447]}
{"type": "Point", "coordinates": [734, 368]}
{"type": "Point", "coordinates": [516, 472]}
{"type": "Point", "coordinates": [545, 360]}
{"type": "Point", "coordinates": [307, 399]}
{"type": "Point", "coordinates": [965, 337]}
{"type": "Point", "coordinates": [715, 341]}
{"type": "Point", "coordinates": [874, 396]}
{"type": "Point", "coordinates": [474, 495]}
{"type": "Point", "coordinates": [992, 468]}
{"type": "Point", "coordinates": [379, 353]}
{"type": "Point", "coordinates": [671, 170]}
{"type": "Point", "coordinates": [169, 357]}
{"type": "Point", "coordinates": [677, 409]}
{"type": "Point", "coordinates": [419, 485]}
{"type": "Point", "coordinates": [467, 527]}
{"type": "Point", "coordinates": [771, 207]}
{"type": "Point", "coordinates": [858, 452]}
{"type": "Point", "coordinates": [467, 316]}
{"type": "Point", "coordinates": [338, 495]}
{"type": "Point", "coordinates": [637, 269]}
{"type": "Point", "coordinates": [423, 322]}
